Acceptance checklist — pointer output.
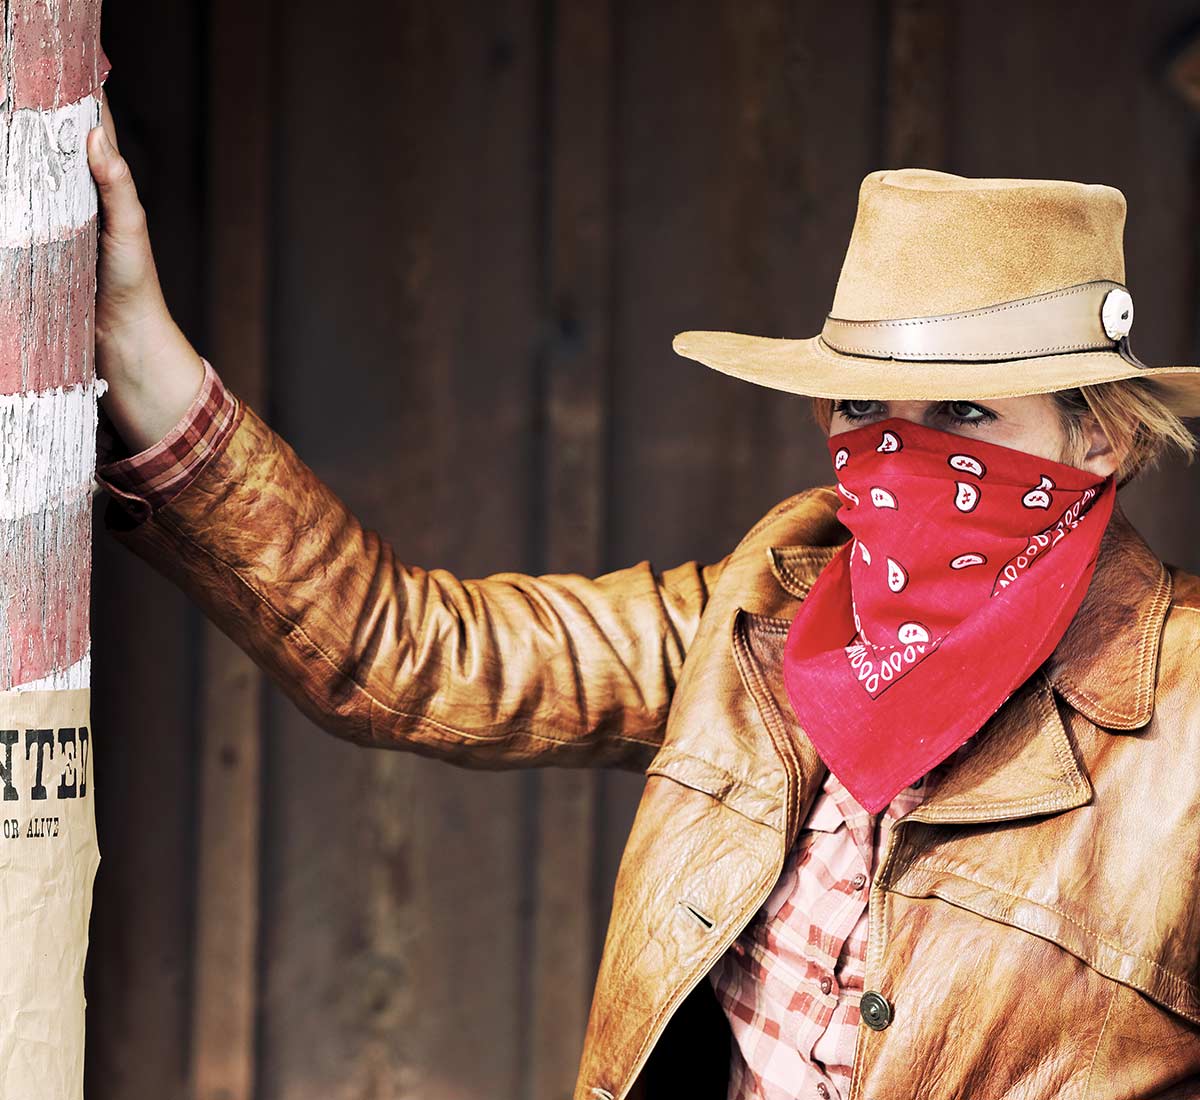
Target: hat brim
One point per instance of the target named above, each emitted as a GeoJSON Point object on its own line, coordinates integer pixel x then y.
{"type": "Point", "coordinates": [811, 367]}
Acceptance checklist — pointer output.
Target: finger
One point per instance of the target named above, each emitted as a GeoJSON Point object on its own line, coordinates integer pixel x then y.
{"type": "Point", "coordinates": [123, 214]}
{"type": "Point", "coordinates": [110, 126]}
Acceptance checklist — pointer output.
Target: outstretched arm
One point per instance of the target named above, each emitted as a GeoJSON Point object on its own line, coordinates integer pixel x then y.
{"type": "Point", "coordinates": [503, 671]}
{"type": "Point", "coordinates": [507, 670]}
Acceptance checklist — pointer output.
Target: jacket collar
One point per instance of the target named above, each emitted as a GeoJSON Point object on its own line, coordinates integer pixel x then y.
{"type": "Point", "coordinates": [1105, 663]}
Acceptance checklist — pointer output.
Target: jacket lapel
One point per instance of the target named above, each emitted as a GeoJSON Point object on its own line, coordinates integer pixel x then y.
{"type": "Point", "coordinates": [1105, 664]}
{"type": "Point", "coordinates": [1022, 762]}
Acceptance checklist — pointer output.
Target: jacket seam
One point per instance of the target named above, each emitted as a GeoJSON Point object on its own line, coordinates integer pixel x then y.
{"type": "Point", "coordinates": [801, 586]}
{"type": "Point", "coordinates": [985, 812]}
{"type": "Point", "coordinates": [1067, 917]}
{"type": "Point", "coordinates": [1087, 1085]}
{"type": "Point", "coordinates": [772, 720]}
{"type": "Point", "coordinates": [731, 777]}
{"type": "Point", "coordinates": [758, 819]}
{"type": "Point", "coordinates": [297, 629]}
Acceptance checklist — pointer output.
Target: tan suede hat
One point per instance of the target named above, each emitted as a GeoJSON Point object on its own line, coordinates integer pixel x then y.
{"type": "Point", "coordinates": [956, 288]}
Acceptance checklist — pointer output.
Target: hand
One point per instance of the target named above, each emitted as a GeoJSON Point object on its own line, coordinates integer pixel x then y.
{"type": "Point", "coordinates": [129, 299]}
{"type": "Point", "coordinates": [152, 371]}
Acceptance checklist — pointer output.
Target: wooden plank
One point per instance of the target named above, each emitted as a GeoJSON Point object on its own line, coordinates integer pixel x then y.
{"type": "Point", "coordinates": [144, 629]}
{"type": "Point", "coordinates": [1183, 72]}
{"type": "Point", "coordinates": [746, 130]}
{"type": "Point", "coordinates": [396, 888]}
{"type": "Point", "coordinates": [225, 977]}
{"type": "Point", "coordinates": [916, 104]}
{"type": "Point", "coordinates": [565, 929]}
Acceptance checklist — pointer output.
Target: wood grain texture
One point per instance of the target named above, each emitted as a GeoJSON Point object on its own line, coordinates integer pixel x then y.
{"type": "Point", "coordinates": [225, 963]}
{"type": "Point", "coordinates": [1182, 69]}
{"type": "Point", "coordinates": [47, 313]}
{"type": "Point", "coordinates": [397, 890]}
{"type": "Point", "coordinates": [917, 103]}
{"type": "Point", "coordinates": [47, 391]}
{"type": "Point", "coordinates": [145, 633]}
{"type": "Point", "coordinates": [52, 53]}
{"type": "Point", "coordinates": [578, 250]}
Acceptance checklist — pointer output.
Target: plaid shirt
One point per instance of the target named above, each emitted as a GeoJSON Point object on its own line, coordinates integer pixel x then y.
{"type": "Point", "coordinates": [791, 982]}
{"type": "Point", "coordinates": [142, 483]}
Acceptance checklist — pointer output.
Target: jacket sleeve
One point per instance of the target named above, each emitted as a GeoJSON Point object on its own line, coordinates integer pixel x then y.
{"type": "Point", "coordinates": [504, 671]}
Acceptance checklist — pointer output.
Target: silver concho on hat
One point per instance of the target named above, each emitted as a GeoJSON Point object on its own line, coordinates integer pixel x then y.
{"type": "Point", "coordinates": [1116, 313]}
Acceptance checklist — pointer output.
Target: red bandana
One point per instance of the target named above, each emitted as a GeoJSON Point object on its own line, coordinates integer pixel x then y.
{"type": "Point", "coordinates": [968, 562]}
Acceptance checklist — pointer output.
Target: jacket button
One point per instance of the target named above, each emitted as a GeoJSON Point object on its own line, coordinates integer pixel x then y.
{"type": "Point", "coordinates": [876, 1012]}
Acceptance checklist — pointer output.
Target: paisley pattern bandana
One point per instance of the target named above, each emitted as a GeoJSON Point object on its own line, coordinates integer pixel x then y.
{"type": "Point", "coordinates": [968, 560]}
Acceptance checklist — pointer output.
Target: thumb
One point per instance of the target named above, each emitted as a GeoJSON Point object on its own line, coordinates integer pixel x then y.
{"type": "Point", "coordinates": [121, 209]}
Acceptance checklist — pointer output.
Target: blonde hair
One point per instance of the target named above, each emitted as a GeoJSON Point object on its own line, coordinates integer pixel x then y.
{"type": "Point", "coordinates": [1132, 412]}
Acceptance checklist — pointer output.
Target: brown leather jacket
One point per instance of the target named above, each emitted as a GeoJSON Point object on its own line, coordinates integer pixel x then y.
{"type": "Point", "coordinates": [1034, 924]}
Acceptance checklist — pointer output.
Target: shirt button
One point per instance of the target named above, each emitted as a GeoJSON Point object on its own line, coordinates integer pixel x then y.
{"type": "Point", "coordinates": [858, 881]}
{"type": "Point", "coordinates": [826, 985]}
{"type": "Point", "coordinates": [876, 1012]}
{"type": "Point", "coordinates": [822, 1091]}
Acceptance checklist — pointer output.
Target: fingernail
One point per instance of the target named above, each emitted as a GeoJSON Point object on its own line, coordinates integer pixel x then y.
{"type": "Point", "coordinates": [106, 148]}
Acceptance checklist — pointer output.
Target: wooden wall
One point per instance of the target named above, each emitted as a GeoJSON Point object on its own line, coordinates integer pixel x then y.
{"type": "Point", "coordinates": [443, 248]}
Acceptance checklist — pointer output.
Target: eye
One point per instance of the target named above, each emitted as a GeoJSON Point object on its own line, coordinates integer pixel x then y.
{"type": "Point", "coordinates": [857, 410]}
{"type": "Point", "coordinates": [965, 412]}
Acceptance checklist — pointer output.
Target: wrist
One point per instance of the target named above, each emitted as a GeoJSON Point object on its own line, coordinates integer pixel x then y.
{"type": "Point", "coordinates": [152, 380]}
{"type": "Point", "coordinates": [129, 353]}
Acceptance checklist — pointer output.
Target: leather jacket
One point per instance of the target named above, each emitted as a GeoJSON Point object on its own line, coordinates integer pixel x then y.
{"type": "Point", "coordinates": [1034, 923]}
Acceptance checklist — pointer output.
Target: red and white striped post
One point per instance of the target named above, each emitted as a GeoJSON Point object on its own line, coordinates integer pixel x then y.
{"type": "Point", "coordinates": [51, 69]}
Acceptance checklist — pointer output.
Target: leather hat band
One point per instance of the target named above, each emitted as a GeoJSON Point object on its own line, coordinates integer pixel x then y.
{"type": "Point", "coordinates": [1085, 317]}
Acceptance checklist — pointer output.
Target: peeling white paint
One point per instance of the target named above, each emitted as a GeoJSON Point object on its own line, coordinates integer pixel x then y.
{"type": "Point", "coordinates": [46, 189]}
{"type": "Point", "coordinates": [47, 448]}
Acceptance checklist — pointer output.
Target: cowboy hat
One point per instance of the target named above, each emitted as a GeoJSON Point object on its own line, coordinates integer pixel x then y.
{"type": "Point", "coordinates": [956, 288]}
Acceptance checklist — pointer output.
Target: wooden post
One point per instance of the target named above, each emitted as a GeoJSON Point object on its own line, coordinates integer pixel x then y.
{"type": "Point", "coordinates": [51, 68]}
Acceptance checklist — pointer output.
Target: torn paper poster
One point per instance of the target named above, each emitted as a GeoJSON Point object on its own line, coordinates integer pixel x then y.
{"type": "Point", "coordinates": [48, 861]}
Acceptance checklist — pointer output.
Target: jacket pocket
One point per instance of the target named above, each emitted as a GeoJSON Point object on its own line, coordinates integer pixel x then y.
{"type": "Point", "coordinates": [734, 791]}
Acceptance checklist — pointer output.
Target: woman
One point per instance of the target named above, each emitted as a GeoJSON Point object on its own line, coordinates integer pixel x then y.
{"type": "Point", "coordinates": [919, 808]}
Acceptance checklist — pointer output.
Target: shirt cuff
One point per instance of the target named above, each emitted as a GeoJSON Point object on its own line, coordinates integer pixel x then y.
{"type": "Point", "coordinates": [142, 483]}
